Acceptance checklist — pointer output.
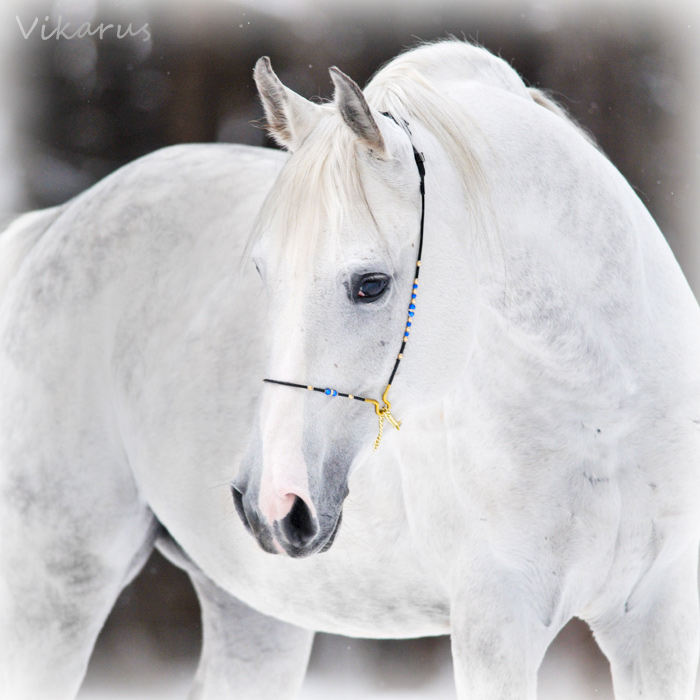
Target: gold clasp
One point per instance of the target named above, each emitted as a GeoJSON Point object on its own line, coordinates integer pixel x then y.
{"type": "Point", "coordinates": [383, 412]}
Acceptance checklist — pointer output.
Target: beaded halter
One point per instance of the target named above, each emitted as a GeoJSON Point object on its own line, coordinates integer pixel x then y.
{"type": "Point", "coordinates": [384, 411]}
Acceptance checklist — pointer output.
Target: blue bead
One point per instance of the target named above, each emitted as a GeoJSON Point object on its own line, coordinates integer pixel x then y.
{"type": "Point", "coordinates": [406, 334]}
{"type": "Point", "coordinates": [328, 392]}
{"type": "Point", "coordinates": [335, 393]}
{"type": "Point", "coordinates": [415, 286]}
{"type": "Point", "coordinates": [413, 296]}
{"type": "Point", "coordinates": [412, 307]}
{"type": "Point", "coordinates": [408, 325]}
{"type": "Point", "coordinates": [411, 314]}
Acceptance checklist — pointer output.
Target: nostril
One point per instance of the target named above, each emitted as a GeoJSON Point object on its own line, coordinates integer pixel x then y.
{"type": "Point", "coordinates": [299, 526]}
{"type": "Point", "coordinates": [240, 509]}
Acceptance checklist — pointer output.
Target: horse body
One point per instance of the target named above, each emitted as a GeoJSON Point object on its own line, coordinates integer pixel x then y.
{"type": "Point", "coordinates": [547, 465]}
{"type": "Point", "coordinates": [579, 374]}
{"type": "Point", "coordinates": [574, 421]}
{"type": "Point", "coordinates": [77, 327]}
{"type": "Point", "coordinates": [559, 439]}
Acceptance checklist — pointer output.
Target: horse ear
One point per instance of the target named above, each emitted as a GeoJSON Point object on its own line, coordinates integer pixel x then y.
{"type": "Point", "coordinates": [290, 117]}
{"type": "Point", "coordinates": [356, 113]}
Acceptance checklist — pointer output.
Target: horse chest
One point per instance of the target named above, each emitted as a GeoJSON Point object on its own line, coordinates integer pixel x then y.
{"type": "Point", "coordinates": [361, 587]}
{"type": "Point", "coordinates": [552, 505]}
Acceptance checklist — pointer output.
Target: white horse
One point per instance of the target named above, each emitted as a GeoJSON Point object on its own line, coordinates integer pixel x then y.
{"type": "Point", "coordinates": [547, 465]}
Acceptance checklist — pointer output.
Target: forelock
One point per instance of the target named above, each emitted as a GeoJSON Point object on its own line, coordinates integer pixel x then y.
{"type": "Point", "coordinates": [319, 188]}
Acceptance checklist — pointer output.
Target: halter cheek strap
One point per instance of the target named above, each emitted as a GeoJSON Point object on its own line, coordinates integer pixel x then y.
{"type": "Point", "coordinates": [384, 411]}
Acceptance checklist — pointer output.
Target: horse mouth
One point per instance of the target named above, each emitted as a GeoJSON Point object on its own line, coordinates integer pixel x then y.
{"type": "Point", "coordinates": [253, 524]}
{"type": "Point", "coordinates": [331, 539]}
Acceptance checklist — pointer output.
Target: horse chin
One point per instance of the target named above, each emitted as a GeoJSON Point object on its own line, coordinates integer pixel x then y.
{"type": "Point", "coordinates": [267, 543]}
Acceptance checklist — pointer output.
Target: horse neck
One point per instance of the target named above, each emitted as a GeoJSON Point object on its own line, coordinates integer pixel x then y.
{"type": "Point", "coordinates": [562, 264]}
{"type": "Point", "coordinates": [571, 240]}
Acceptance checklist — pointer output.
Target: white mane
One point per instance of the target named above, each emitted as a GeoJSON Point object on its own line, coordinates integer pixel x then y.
{"type": "Point", "coordinates": [321, 183]}
{"type": "Point", "coordinates": [417, 86]}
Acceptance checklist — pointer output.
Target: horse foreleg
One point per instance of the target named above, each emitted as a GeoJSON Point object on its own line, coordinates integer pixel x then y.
{"type": "Point", "coordinates": [245, 654]}
{"type": "Point", "coordinates": [497, 642]}
{"type": "Point", "coordinates": [651, 640]}
{"type": "Point", "coordinates": [57, 587]}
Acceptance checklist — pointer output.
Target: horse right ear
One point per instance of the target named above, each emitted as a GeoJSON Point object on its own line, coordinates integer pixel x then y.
{"type": "Point", "coordinates": [290, 117]}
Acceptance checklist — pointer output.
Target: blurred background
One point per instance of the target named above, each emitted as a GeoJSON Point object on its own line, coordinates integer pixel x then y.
{"type": "Point", "coordinates": [72, 111]}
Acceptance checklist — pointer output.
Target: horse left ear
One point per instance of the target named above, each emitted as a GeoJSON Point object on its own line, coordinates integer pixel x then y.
{"type": "Point", "coordinates": [356, 113]}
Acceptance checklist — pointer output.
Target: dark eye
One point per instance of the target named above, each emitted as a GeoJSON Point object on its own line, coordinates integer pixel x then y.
{"type": "Point", "coordinates": [369, 288]}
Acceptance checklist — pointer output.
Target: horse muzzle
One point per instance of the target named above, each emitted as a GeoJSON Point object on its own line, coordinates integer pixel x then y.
{"type": "Point", "coordinates": [298, 533]}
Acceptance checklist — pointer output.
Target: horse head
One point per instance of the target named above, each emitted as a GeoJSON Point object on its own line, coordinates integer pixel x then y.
{"type": "Point", "coordinates": [336, 246]}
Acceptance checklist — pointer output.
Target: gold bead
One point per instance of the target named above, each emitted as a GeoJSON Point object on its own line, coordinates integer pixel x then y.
{"type": "Point", "coordinates": [350, 396]}
{"type": "Point", "coordinates": [400, 356]}
{"type": "Point", "coordinates": [310, 388]}
{"type": "Point", "coordinates": [417, 263]}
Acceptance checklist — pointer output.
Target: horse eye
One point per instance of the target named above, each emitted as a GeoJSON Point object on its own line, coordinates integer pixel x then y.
{"type": "Point", "coordinates": [369, 288]}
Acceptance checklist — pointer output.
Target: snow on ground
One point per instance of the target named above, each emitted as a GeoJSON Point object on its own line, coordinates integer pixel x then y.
{"type": "Point", "coordinates": [350, 669]}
